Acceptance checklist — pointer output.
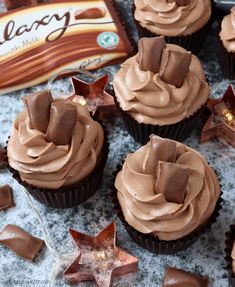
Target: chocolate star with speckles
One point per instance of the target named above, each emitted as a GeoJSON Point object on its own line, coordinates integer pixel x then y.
{"type": "Point", "coordinates": [221, 123]}
{"type": "Point", "coordinates": [99, 102]}
{"type": "Point", "coordinates": [3, 157]}
{"type": "Point", "coordinates": [99, 259]}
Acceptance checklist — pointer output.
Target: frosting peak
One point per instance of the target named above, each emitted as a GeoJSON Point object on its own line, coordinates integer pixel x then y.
{"type": "Point", "coordinates": [168, 196]}
{"type": "Point", "coordinates": [227, 33]}
{"type": "Point", "coordinates": [163, 89]}
{"type": "Point", "coordinates": [173, 17]}
{"type": "Point", "coordinates": [65, 152]}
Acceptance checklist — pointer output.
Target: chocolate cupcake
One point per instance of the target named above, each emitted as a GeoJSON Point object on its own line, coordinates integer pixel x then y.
{"type": "Point", "coordinates": [161, 90]}
{"type": "Point", "coordinates": [178, 278]}
{"type": "Point", "coordinates": [166, 195]}
{"type": "Point", "coordinates": [227, 45]}
{"type": "Point", "coordinates": [181, 22]}
{"type": "Point", "coordinates": [57, 151]}
{"type": "Point", "coordinates": [230, 255]}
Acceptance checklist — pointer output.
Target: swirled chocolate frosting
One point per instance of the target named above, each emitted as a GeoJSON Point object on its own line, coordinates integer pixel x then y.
{"type": "Point", "coordinates": [54, 144]}
{"type": "Point", "coordinates": [227, 33]}
{"type": "Point", "coordinates": [179, 278]}
{"type": "Point", "coordinates": [163, 84]}
{"type": "Point", "coordinates": [172, 17]}
{"type": "Point", "coordinates": [166, 189]}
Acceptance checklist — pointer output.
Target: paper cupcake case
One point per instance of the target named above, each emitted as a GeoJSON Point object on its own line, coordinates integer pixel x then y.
{"type": "Point", "coordinates": [179, 131]}
{"type": "Point", "coordinates": [229, 241]}
{"type": "Point", "coordinates": [73, 195]}
{"type": "Point", "coordinates": [227, 61]}
{"type": "Point", "coordinates": [155, 245]}
{"type": "Point", "coordinates": [193, 42]}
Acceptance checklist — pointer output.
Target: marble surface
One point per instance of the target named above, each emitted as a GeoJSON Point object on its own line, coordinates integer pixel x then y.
{"type": "Point", "coordinates": [205, 256]}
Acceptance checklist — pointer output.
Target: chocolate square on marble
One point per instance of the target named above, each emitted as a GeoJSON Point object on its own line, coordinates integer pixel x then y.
{"type": "Point", "coordinates": [6, 197]}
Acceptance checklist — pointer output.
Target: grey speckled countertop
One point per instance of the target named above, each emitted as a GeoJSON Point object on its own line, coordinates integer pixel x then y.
{"type": "Point", "coordinates": [205, 257]}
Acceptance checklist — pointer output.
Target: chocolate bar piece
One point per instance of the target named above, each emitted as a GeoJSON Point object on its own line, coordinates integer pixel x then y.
{"type": "Point", "coordinates": [6, 197]}
{"type": "Point", "coordinates": [14, 4]}
{"type": "Point", "coordinates": [63, 119]}
{"type": "Point", "coordinates": [20, 242]}
{"type": "Point", "coordinates": [38, 106]}
{"type": "Point", "coordinates": [179, 278]}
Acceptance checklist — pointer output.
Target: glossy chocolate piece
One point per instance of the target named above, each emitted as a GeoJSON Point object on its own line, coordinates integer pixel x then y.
{"type": "Point", "coordinates": [20, 242]}
{"type": "Point", "coordinates": [174, 67]}
{"type": "Point", "coordinates": [180, 2]}
{"type": "Point", "coordinates": [6, 197]}
{"type": "Point", "coordinates": [38, 106]}
{"type": "Point", "coordinates": [173, 180]}
{"type": "Point", "coordinates": [14, 4]}
{"type": "Point", "coordinates": [91, 13]}
{"type": "Point", "coordinates": [63, 119]}
{"type": "Point", "coordinates": [150, 53]}
{"type": "Point", "coordinates": [160, 149]}
{"type": "Point", "coordinates": [180, 278]}
{"type": "Point", "coordinates": [3, 158]}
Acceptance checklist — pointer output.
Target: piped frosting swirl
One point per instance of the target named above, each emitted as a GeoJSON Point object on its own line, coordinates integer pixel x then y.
{"type": "Point", "coordinates": [165, 95]}
{"type": "Point", "coordinates": [172, 18]}
{"type": "Point", "coordinates": [47, 164]}
{"type": "Point", "coordinates": [227, 33]}
{"type": "Point", "coordinates": [144, 200]}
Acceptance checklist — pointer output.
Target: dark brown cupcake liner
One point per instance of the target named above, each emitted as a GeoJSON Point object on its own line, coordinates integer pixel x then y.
{"type": "Point", "coordinates": [155, 245]}
{"type": "Point", "coordinates": [73, 195]}
{"type": "Point", "coordinates": [227, 61]}
{"type": "Point", "coordinates": [193, 42]}
{"type": "Point", "coordinates": [179, 131]}
{"type": "Point", "coordinates": [229, 241]}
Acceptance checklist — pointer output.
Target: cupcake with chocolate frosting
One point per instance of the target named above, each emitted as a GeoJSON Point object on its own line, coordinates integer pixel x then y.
{"type": "Point", "coordinates": [227, 45]}
{"type": "Point", "coordinates": [161, 90]}
{"type": "Point", "coordinates": [56, 150]}
{"type": "Point", "coordinates": [230, 255]}
{"type": "Point", "coordinates": [167, 195]}
{"type": "Point", "coordinates": [182, 22]}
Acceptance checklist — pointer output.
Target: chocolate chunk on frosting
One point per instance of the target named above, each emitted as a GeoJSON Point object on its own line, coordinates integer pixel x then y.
{"type": "Point", "coordinates": [38, 106]}
{"type": "Point", "coordinates": [180, 2]}
{"type": "Point", "coordinates": [3, 157]}
{"type": "Point", "coordinates": [20, 242]}
{"type": "Point", "coordinates": [6, 197]}
{"type": "Point", "coordinates": [179, 278]}
{"type": "Point", "coordinates": [91, 13]}
{"type": "Point", "coordinates": [150, 52]}
{"type": "Point", "coordinates": [172, 181]}
{"type": "Point", "coordinates": [174, 67]}
{"type": "Point", "coordinates": [160, 149]}
{"type": "Point", "coordinates": [63, 118]}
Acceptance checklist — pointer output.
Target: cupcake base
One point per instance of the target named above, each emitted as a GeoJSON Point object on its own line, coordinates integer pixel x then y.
{"type": "Point", "coordinates": [227, 61]}
{"type": "Point", "coordinates": [73, 195]}
{"type": "Point", "coordinates": [230, 239]}
{"type": "Point", "coordinates": [155, 245]}
{"type": "Point", "coordinates": [179, 131]}
{"type": "Point", "coordinates": [191, 42]}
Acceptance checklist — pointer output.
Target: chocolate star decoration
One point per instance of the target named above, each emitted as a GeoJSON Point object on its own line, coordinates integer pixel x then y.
{"type": "Point", "coordinates": [221, 123]}
{"type": "Point", "coordinates": [99, 102]}
{"type": "Point", "coordinates": [99, 259]}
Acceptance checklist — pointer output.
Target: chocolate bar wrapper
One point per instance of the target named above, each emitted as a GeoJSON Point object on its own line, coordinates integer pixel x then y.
{"type": "Point", "coordinates": [73, 195]}
{"type": "Point", "coordinates": [39, 41]}
{"type": "Point", "coordinates": [193, 42]}
{"type": "Point", "coordinates": [155, 245]}
{"type": "Point", "coordinates": [229, 241]}
{"type": "Point", "coordinates": [227, 61]}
